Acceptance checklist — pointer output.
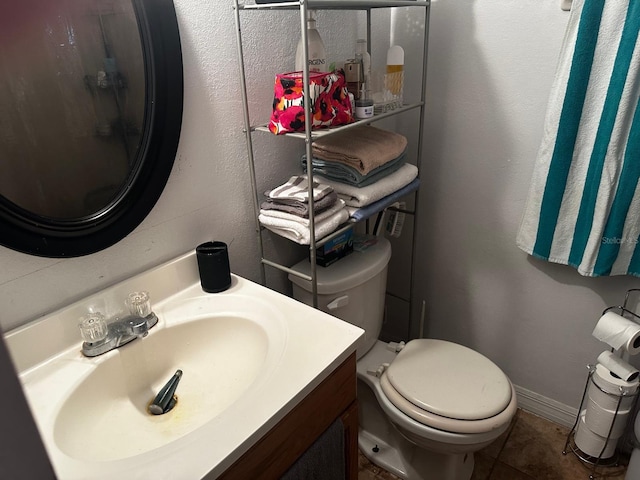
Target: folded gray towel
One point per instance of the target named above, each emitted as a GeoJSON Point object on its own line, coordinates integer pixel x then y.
{"type": "Point", "coordinates": [301, 209]}
{"type": "Point", "coordinates": [296, 190]}
{"type": "Point", "coordinates": [347, 174]}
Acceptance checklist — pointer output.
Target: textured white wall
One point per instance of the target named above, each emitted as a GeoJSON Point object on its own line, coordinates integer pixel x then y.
{"type": "Point", "coordinates": [491, 66]}
{"type": "Point", "coordinates": [490, 69]}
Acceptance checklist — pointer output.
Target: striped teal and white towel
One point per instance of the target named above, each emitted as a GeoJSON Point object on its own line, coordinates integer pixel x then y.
{"type": "Point", "coordinates": [583, 207]}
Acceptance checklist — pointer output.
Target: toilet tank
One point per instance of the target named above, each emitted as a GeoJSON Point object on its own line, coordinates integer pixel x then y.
{"type": "Point", "coordinates": [353, 288]}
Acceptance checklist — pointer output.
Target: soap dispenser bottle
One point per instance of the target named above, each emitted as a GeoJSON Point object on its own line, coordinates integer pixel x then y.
{"type": "Point", "coordinates": [317, 54]}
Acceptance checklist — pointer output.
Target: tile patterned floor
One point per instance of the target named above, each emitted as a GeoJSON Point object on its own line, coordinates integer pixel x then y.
{"type": "Point", "coordinates": [530, 450]}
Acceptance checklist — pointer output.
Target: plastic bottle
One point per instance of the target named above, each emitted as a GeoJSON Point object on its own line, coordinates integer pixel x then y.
{"type": "Point", "coordinates": [394, 78]}
{"type": "Point", "coordinates": [395, 58]}
{"type": "Point", "coordinates": [363, 56]}
{"type": "Point", "coordinates": [364, 105]}
{"type": "Point", "coordinates": [317, 53]}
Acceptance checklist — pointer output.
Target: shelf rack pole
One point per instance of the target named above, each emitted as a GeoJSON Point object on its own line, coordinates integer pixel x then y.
{"type": "Point", "coordinates": [308, 140]}
{"type": "Point", "coordinates": [287, 269]}
{"type": "Point", "coordinates": [369, 38]}
{"type": "Point", "coordinates": [247, 136]}
{"type": "Point", "coordinates": [423, 96]}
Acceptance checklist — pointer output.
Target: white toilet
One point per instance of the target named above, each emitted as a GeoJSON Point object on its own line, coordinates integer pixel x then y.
{"type": "Point", "coordinates": [426, 406]}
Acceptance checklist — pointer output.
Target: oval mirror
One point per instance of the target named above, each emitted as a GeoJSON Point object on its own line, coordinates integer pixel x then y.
{"type": "Point", "coordinates": [90, 117]}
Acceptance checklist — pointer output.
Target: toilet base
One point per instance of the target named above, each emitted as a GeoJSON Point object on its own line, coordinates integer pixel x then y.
{"type": "Point", "coordinates": [424, 465]}
{"type": "Point", "coordinates": [398, 455]}
{"type": "Point", "coordinates": [384, 456]}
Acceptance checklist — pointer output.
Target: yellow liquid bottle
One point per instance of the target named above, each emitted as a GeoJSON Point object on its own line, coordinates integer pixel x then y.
{"type": "Point", "coordinates": [394, 78]}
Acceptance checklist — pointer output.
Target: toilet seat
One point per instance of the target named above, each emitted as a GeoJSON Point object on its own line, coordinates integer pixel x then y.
{"type": "Point", "coordinates": [419, 383]}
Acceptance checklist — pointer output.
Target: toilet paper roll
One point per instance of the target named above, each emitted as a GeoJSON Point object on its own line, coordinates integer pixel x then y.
{"type": "Point", "coordinates": [591, 443]}
{"type": "Point", "coordinates": [618, 332]}
{"type": "Point", "coordinates": [618, 366]}
{"type": "Point", "coordinates": [613, 385]}
{"type": "Point", "coordinates": [609, 392]}
{"type": "Point", "coordinates": [601, 420]}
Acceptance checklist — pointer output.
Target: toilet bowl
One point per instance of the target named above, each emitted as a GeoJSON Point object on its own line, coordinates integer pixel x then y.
{"type": "Point", "coordinates": [423, 444]}
{"type": "Point", "coordinates": [424, 407]}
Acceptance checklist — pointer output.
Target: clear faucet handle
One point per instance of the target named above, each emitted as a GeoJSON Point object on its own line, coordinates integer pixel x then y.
{"type": "Point", "coordinates": [139, 304]}
{"type": "Point", "coordinates": [93, 327]}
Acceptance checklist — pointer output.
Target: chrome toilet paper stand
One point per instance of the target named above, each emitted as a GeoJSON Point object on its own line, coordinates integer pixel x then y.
{"type": "Point", "coordinates": [570, 444]}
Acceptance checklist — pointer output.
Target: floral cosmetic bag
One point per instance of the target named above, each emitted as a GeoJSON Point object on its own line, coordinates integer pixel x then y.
{"type": "Point", "coordinates": [330, 104]}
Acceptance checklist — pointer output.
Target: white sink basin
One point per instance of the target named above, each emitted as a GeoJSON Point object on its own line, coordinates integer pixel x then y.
{"type": "Point", "coordinates": [223, 346]}
{"type": "Point", "coordinates": [248, 356]}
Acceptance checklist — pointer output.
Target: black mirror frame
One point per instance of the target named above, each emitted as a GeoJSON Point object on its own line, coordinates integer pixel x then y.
{"type": "Point", "coordinates": [25, 232]}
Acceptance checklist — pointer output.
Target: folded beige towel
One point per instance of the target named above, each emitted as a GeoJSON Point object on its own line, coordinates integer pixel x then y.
{"type": "Point", "coordinates": [363, 148]}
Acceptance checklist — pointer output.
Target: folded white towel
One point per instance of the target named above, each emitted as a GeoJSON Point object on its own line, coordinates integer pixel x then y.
{"type": "Point", "coordinates": [360, 197]}
{"type": "Point", "coordinates": [339, 205]}
{"type": "Point", "coordinates": [295, 231]}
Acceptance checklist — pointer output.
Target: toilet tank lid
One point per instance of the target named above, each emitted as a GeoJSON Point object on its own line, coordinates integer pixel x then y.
{"type": "Point", "coordinates": [355, 269]}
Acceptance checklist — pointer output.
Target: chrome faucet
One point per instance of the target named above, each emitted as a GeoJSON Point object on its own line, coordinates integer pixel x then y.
{"type": "Point", "coordinates": [101, 336]}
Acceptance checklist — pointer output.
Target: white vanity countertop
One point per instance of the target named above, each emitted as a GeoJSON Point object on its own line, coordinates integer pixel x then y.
{"type": "Point", "coordinates": [47, 355]}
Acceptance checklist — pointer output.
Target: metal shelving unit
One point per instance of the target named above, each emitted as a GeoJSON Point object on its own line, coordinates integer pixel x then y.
{"type": "Point", "coordinates": [309, 135]}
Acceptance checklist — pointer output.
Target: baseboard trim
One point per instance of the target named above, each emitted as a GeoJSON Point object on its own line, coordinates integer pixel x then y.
{"type": "Point", "coordinates": [545, 407]}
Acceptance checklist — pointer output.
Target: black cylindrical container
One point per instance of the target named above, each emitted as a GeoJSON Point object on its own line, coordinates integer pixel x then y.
{"type": "Point", "coordinates": [213, 264]}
